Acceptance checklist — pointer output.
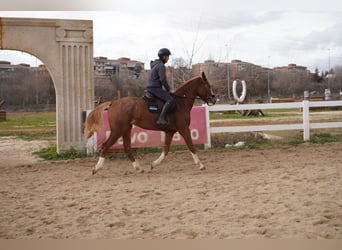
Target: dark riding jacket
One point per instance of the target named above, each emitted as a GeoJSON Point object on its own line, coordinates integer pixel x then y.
{"type": "Point", "coordinates": [157, 77]}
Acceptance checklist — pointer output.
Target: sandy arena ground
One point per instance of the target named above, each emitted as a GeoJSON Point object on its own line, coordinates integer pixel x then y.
{"type": "Point", "coordinates": [288, 192]}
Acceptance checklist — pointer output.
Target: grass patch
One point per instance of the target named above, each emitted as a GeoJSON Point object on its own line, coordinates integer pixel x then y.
{"type": "Point", "coordinates": [30, 126]}
{"type": "Point", "coordinates": [263, 144]}
{"type": "Point", "coordinates": [224, 115]}
{"type": "Point", "coordinates": [50, 153]}
{"type": "Point", "coordinates": [37, 136]}
{"type": "Point", "coordinates": [325, 138]}
{"type": "Point", "coordinates": [267, 112]}
{"type": "Point", "coordinates": [31, 120]}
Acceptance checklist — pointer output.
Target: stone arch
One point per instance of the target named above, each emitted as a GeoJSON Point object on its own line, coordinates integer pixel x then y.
{"type": "Point", "coordinates": [66, 48]}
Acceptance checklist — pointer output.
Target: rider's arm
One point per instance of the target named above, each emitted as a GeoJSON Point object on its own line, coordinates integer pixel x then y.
{"type": "Point", "coordinates": [162, 77]}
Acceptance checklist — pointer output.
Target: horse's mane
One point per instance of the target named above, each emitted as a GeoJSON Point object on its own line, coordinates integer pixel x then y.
{"type": "Point", "coordinates": [184, 86]}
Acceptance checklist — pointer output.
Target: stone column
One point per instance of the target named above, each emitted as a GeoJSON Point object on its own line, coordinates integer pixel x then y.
{"type": "Point", "coordinates": [76, 93]}
{"type": "Point", "coordinates": [66, 48]}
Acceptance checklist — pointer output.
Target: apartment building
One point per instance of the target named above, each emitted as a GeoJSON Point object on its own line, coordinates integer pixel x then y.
{"type": "Point", "coordinates": [292, 68]}
{"type": "Point", "coordinates": [236, 69]}
{"type": "Point", "coordinates": [104, 67]}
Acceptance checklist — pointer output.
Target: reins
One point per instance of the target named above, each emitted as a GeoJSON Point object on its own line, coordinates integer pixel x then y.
{"type": "Point", "coordinates": [188, 97]}
{"type": "Point", "coordinates": [184, 96]}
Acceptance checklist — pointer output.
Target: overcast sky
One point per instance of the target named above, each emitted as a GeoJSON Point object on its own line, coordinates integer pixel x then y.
{"type": "Point", "coordinates": [266, 37]}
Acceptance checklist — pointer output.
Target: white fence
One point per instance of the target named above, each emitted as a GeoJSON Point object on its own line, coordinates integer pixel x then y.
{"type": "Point", "coordinates": [305, 125]}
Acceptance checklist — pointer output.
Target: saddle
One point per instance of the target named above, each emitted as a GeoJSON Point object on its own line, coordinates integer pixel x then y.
{"type": "Point", "coordinates": [154, 104]}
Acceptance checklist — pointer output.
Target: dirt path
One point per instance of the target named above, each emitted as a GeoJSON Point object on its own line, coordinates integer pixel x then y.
{"type": "Point", "coordinates": [288, 192]}
{"type": "Point", "coordinates": [15, 152]}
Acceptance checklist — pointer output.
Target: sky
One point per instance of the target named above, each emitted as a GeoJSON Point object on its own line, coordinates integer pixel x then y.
{"type": "Point", "coordinates": [265, 35]}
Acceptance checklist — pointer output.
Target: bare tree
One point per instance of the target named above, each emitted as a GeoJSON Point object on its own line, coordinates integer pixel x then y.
{"type": "Point", "coordinates": [291, 84]}
{"type": "Point", "coordinates": [179, 72]}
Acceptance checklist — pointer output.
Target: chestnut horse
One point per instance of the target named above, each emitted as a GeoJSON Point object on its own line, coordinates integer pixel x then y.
{"type": "Point", "coordinates": [125, 112]}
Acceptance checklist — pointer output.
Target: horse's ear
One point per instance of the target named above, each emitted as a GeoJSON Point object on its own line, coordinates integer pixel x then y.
{"type": "Point", "coordinates": [204, 77]}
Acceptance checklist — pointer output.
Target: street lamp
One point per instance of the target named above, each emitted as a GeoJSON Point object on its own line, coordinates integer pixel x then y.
{"type": "Point", "coordinates": [329, 69]}
{"type": "Point", "coordinates": [228, 83]}
{"type": "Point", "coordinates": [268, 80]}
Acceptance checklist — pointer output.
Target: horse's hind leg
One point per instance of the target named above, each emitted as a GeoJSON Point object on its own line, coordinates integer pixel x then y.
{"type": "Point", "coordinates": [105, 147]}
{"type": "Point", "coordinates": [128, 150]}
{"type": "Point", "coordinates": [166, 148]}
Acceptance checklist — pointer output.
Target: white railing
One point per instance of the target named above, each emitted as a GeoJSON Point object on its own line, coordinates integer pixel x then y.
{"type": "Point", "coordinates": [305, 125]}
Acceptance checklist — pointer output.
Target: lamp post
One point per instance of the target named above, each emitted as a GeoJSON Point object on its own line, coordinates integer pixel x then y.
{"type": "Point", "coordinates": [268, 80]}
{"type": "Point", "coordinates": [329, 69]}
{"type": "Point", "coordinates": [228, 80]}
{"type": "Point", "coordinates": [327, 91]}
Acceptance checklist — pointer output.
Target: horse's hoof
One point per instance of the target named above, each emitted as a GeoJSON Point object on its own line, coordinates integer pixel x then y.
{"type": "Point", "coordinates": [151, 167]}
{"type": "Point", "coordinates": [139, 169]}
{"type": "Point", "coordinates": [202, 167]}
{"type": "Point", "coordinates": [137, 166]}
{"type": "Point", "coordinates": [94, 171]}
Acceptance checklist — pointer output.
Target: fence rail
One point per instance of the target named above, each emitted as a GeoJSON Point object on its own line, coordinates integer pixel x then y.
{"type": "Point", "coordinates": [305, 125]}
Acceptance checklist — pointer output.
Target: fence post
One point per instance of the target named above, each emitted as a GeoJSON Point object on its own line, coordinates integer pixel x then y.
{"type": "Point", "coordinates": [306, 120]}
{"type": "Point", "coordinates": [207, 120]}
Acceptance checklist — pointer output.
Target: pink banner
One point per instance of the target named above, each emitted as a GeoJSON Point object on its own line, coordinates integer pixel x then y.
{"type": "Point", "coordinates": [141, 138]}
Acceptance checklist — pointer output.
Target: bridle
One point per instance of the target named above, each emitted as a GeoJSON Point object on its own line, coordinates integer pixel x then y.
{"type": "Point", "coordinates": [207, 100]}
{"type": "Point", "coordinates": [186, 97]}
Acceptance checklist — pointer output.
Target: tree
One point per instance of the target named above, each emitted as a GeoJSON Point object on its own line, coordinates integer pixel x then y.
{"type": "Point", "coordinates": [180, 73]}
{"type": "Point", "coordinates": [317, 77]}
{"type": "Point", "coordinates": [291, 83]}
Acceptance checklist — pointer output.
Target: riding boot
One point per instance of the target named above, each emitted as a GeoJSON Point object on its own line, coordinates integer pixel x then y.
{"type": "Point", "coordinates": [162, 120]}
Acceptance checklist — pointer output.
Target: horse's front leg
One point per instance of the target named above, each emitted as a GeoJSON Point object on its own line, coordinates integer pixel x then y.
{"type": "Point", "coordinates": [187, 138]}
{"type": "Point", "coordinates": [166, 148]}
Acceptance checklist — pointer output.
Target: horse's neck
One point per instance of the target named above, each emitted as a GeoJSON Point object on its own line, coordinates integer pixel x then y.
{"type": "Point", "coordinates": [188, 88]}
{"type": "Point", "coordinates": [188, 93]}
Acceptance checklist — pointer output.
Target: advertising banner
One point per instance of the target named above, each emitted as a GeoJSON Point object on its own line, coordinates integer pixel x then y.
{"type": "Point", "coordinates": [148, 138]}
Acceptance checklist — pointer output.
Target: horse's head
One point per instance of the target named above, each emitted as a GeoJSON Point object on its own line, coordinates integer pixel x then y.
{"type": "Point", "coordinates": [205, 91]}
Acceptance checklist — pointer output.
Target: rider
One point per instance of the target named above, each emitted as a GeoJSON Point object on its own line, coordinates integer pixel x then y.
{"type": "Point", "coordinates": [158, 86]}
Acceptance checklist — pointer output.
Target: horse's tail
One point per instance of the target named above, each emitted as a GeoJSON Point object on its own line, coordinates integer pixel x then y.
{"type": "Point", "coordinates": [94, 120]}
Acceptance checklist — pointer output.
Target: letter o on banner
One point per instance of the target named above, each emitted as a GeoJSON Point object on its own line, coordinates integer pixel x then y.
{"type": "Point", "coordinates": [244, 91]}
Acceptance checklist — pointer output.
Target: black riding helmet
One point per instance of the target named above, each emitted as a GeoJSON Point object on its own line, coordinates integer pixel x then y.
{"type": "Point", "coordinates": [163, 52]}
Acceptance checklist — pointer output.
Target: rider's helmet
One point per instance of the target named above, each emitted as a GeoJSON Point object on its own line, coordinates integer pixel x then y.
{"type": "Point", "coordinates": [163, 52]}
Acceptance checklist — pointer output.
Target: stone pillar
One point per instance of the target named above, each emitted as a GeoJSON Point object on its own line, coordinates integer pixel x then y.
{"type": "Point", "coordinates": [76, 91]}
{"type": "Point", "coordinates": [66, 48]}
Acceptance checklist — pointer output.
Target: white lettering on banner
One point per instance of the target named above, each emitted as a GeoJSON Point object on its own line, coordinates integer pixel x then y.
{"type": "Point", "coordinates": [142, 137]}
{"type": "Point", "coordinates": [119, 141]}
{"type": "Point", "coordinates": [176, 137]}
{"type": "Point", "coordinates": [194, 134]}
